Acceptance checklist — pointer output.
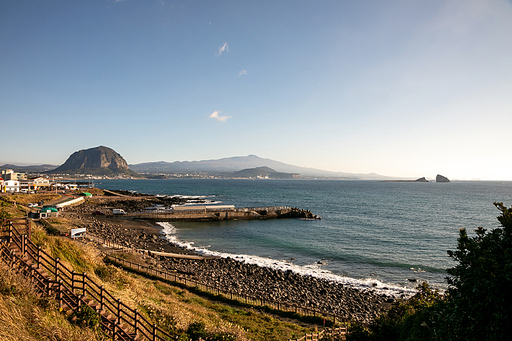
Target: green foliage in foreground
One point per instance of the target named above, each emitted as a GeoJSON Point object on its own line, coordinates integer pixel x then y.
{"type": "Point", "coordinates": [476, 305]}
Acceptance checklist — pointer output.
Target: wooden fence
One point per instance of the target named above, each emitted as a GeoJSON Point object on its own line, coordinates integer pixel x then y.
{"type": "Point", "coordinates": [173, 276]}
{"type": "Point", "coordinates": [328, 334]}
{"type": "Point", "coordinates": [226, 293]}
{"type": "Point", "coordinates": [73, 290]}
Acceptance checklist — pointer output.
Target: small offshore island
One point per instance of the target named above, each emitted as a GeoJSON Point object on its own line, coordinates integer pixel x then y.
{"type": "Point", "coordinates": [439, 178]}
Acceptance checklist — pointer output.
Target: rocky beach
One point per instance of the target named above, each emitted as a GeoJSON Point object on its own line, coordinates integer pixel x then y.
{"type": "Point", "coordinates": [228, 273]}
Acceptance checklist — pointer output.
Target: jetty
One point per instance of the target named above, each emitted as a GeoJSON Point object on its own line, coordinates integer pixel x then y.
{"type": "Point", "coordinates": [218, 213]}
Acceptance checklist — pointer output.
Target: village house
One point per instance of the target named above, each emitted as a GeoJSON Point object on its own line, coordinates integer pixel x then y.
{"type": "Point", "coordinates": [34, 184]}
{"type": "Point", "coordinates": [11, 186]}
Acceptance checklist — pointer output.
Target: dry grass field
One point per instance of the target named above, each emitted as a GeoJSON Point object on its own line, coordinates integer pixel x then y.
{"type": "Point", "coordinates": [24, 316]}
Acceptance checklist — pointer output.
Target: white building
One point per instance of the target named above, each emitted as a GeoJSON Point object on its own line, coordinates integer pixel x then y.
{"type": "Point", "coordinates": [12, 186]}
{"type": "Point", "coordinates": [9, 174]}
{"type": "Point", "coordinates": [34, 184]}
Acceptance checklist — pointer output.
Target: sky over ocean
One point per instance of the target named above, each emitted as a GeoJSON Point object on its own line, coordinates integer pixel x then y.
{"type": "Point", "coordinates": [397, 88]}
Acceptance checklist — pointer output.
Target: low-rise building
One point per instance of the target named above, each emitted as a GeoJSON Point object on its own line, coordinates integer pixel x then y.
{"type": "Point", "coordinates": [9, 174]}
{"type": "Point", "coordinates": [12, 186]}
{"type": "Point", "coordinates": [34, 184]}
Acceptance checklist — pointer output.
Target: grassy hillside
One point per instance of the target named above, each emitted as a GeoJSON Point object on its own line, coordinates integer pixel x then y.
{"type": "Point", "coordinates": [174, 309]}
{"type": "Point", "coordinates": [25, 316]}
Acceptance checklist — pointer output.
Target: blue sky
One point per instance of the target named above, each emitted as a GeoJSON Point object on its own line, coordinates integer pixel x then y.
{"type": "Point", "coordinates": [399, 88]}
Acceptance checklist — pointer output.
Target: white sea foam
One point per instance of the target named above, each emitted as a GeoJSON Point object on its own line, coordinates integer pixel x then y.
{"type": "Point", "coordinates": [195, 199]}
{"type": "Point", "coordinates": [314, 270]}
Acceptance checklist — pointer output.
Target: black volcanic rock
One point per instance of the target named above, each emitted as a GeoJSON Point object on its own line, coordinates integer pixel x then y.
{"type": "Point", "coordinates": [97, 161]}
{"type": "Point", "coordinates": [440, 178]}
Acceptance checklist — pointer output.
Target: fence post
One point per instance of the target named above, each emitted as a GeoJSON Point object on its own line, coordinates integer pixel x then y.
{"type": "Point", "coordinates": [154, 332]}
{"type": "Point", "coordinates": [60, 293]}
{"type": "Point", "coordinates": [101, 296]}
{"type": "Point", "coordinates": [57, 260]}
{"type": "Point", "coordinates": [10, 231]}
{"type": "Point", "coordinates": [136, 320]}
{"type": "Point", "coordinates": [118, 310]}
{"type": "Point", "coordinates": [38, 256]}
{"type": "Point", "coordinates": [73, 282]}
{"type": "Point", "coordinates": [23, 241]}
{"type": "Point", "coordinates": [84, 291]}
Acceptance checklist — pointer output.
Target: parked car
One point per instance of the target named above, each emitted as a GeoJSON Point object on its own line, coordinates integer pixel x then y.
{"type": "Point", "coordinates": [98, 213]}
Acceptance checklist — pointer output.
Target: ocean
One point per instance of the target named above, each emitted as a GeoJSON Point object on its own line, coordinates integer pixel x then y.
{"type": "Point", "coordinates": [382, 236]}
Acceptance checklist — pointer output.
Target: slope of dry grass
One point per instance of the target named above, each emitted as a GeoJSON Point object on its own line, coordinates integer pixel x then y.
{"type": "Point", "coordinates": [172, 308]}
{"type": "Point", "coordinates": [23, 316]}
{"type": "Point", "coordinates": [25, 199]}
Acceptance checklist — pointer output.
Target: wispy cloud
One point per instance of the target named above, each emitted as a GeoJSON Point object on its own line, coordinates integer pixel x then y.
{"type": "Point", "coordinates": [242, 73]}
{"type": "Point", "coordinates": [215, 115]}
{"type": "Point", "coordinates": [223, 48]}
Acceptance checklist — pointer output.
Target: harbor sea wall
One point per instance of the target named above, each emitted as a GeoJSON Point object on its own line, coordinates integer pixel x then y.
{"type": "Point", "coordinates": [253, 213]}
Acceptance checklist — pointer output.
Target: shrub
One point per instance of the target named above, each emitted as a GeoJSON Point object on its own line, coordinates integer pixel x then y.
{"type": "Point", "coordinates": [477, 305]}
{"type": "Point", "coordinates": [480, 284]}
{"type": "Point", "coordinates": [87, 317]}
{"type": "Point", "coordinates": [196, 330]}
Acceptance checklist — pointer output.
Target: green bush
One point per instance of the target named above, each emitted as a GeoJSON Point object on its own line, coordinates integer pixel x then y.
{"type": "Point", "coordinates": [481, 283]}
{"type": "Point", "coordinates": [196, 331]}
{"type": "Point", "coordinates": [476, 305]}
{"type": "Point", "coordinates": [87, 317]}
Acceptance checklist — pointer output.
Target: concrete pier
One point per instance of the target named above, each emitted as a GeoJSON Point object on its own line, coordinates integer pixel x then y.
{"type": "Point", "coordinates": [205, 213]}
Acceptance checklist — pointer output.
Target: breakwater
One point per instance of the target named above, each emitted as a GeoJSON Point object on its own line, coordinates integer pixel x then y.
{"type": "Point", "coordinates": [211, 213]}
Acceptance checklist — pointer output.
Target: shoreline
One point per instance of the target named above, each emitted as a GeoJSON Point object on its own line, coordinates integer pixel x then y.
{"type": "Point", "coordinates": [233, 274]}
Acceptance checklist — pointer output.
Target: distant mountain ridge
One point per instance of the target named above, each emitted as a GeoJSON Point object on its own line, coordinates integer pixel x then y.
{"type": "Point", "coordinates": [96, 161]}
{"type": "Point", "coordinates": [262, 172]}
{"type": "Point", "coordinates": [238, 163]}
{"type": "Point", "coordinates": [29, 168]}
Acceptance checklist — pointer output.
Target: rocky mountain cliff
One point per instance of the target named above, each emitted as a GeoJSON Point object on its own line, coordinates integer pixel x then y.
{"type": "Point", "coordinates": [96, 161]}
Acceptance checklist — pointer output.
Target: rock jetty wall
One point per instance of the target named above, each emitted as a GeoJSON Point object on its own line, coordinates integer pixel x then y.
{"type": "Point", "coordinates": [260, 213]}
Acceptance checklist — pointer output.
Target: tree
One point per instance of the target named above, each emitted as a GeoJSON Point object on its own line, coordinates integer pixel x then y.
{"type": "Point", "coordinates": [477, 305]}
{"type": "Point", "coordinates": [416, 318]}
{"type": "Point", "coordinates": [480, 292]}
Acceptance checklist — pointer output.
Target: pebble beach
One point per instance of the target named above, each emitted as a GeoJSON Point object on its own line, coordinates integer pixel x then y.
{"type": "Point", "coordinates": [232, 274]}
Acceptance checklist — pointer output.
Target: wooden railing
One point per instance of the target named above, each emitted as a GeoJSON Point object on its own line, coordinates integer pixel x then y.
{"type": "Point", "coordinates": [226, 293]}
{"type": "Point", "coordinates": [331, 334]}
{"type": "Point", "coordinates": [117, 246]}
{"type": "Point", "coordinates": [73, 290]}
{"type": "Point", "coordinates": [334, 333]}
